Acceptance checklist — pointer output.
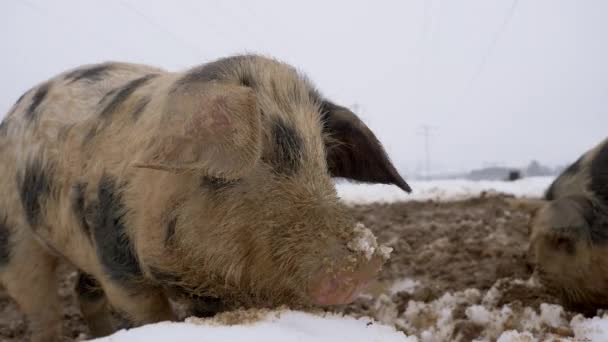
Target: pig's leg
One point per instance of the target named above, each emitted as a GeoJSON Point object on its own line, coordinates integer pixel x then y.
{"type": "Point", "coordinates": [141, 304]}
{"type": "Point", "coordinates": [94, 306]}
{"type": "Point", "coordinates": [30, 279]}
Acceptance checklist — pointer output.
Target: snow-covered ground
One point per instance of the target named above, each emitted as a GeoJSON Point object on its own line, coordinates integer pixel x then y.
{"type": "Point", "coordinates": [441, 190]}
{"type": "Point", "coordinates": [286, 325]}
{"type": "Point", "coordinates": [274, 326]}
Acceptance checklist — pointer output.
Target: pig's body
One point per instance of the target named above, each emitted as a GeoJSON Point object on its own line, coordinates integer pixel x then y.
{"type": "Point", "coordinates": [213, 182]}
{"type": "Point", "coordinates": [569, 237]}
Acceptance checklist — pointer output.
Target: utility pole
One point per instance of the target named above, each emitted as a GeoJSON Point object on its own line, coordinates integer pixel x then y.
{"type": "Point", "coordinates": [425, 130]}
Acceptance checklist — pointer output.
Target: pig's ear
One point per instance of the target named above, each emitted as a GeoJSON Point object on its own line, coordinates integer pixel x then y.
{"type": "Point", "coordinates": [353, 151]}
{"type": "Point", "coordinates": [213, 128]}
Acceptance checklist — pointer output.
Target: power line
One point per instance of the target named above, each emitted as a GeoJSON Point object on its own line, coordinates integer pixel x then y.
{"type": "Point", "coordinates": [426, 132]}
{"type": "Point", "coordinates": [31, 5]}
{"type": "Point", "coordinates": [425, 37]}
{"type": "Point", "coordinates": [195, 50]}
{"type": "Point", "coordinates": [493, 42]}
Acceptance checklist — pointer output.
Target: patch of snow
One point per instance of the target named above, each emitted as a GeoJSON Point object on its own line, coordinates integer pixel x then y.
{"type": "Point", "coordinates": [478, 314]}
{"type": "Point", "coordinates": [385, 252]}
{"type": "Point", "coordinates": [441, 190]}
{"type": "Point", "coordinates": [276, 326]}
{"type": "Point", "coordinates": [515, 336]}
{"type": "Point", "coordinates": [552, 315]}
{"type": "Point", "coordinates": [444, 318]}
{"type": "Point", "coordinates": [404, 285]}
{"type": "Point", "coordinates": [364, 241]}
{"type": "Point", "coordinates": [592, 329]}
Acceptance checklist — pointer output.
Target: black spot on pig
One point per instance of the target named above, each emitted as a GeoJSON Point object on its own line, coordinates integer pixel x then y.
{"type": "Point", "coordinates": [91, 74]}
{"type": "Point", "coordinates": [571, 170]}
{"type": "Point", "coordinates": [4, 127]}
{"type": "Point", "coordinates": [170, 230]}
{"type": "Point", "coordinates": [217, 184]}
{"type": "Point", "coordinates": [5, 252]}
{"type": "Point", "coordinates": [218, 70]}
{"type": "Point", "coordinates": [90, 135]}
{"type": "Point", "coordinates": [114, 247]}
{"type": "Point", "coordinates": [205, 306]}
{"type": "Point", "coordinates": [550, 193]}
{"type": "Point", "coordinates": [34, 188]}
{"type": "Point", "coordinates": [121, 94]}
{"type": "Point", "coordinates": [599, 174]}
{"type": "Point", "coordinates": [599, 231]}
{"type": "Point", "coordinates": [565, 245]}
{"type": "Point", "coordinates": [88, 288]}
{"type": "Point", "coordinates": [288, 148]}
{"type": "Point", "coordinates": [78, 207]}
{"type": "Point", "coordinates": [164, 276]}
{"type": "Point", "coordinates": [140, 106]}
{"type": "Point", "coordinates": [596, 218]}
{"type": "Point", "coordinates": [21, 98]}
{"type": "Point", "coordinates": [246, 80]}
{"type": "Point", "coordinates": [32, 111]}
{"type": "Point", "coordinates": [575, 167]}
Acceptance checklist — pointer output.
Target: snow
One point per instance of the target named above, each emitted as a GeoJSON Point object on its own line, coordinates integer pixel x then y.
{"type": "Point", "coordinates": [552, 315]}
{"type": "Point", "coordinates": [274, 326]}
{"type": "Point", "coordinates": [478, 314]}
{"type": "Point", "coordinates": [515, 336]}
{"type": "Point", "coordinates": [407, 285]}
{"type": "Point", "coordinates": [365, 243]}
{"type": "Point", "coordinates": [593, 329]}
{"type": "Point", "coordinates": [435, 321]}
{"type": "Point", "coordinates": [441, 190]}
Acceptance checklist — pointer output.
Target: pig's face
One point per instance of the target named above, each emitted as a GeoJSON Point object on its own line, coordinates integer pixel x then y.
{"type": "Point", "coordinates": [268, 221]}
{"type": "Point", "coordinates": [569, 250]}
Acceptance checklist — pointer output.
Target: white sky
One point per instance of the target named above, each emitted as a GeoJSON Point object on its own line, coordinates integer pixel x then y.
{"type": "Point", "coordinates": [541, 93]}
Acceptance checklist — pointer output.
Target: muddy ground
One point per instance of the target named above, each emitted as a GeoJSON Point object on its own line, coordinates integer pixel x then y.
{"type": "Point", "coordinates": [455, 267]}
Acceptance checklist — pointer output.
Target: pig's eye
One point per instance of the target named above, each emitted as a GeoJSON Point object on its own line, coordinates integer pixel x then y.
{"type": "Point", "coordinates": [217, 184]}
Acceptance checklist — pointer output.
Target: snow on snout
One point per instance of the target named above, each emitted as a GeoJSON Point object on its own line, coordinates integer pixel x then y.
{"type": "Point", "coordinates": [365, 243]}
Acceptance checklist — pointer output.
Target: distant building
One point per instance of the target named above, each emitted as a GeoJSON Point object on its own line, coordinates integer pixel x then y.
{"type": "Point", "coordinates": [490, 173]}
{"type": "Point", "coordinates": [535, 169]}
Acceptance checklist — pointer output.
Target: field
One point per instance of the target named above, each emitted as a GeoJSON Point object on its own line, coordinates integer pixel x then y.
{"type": "Point", "coordinates": [458, 273]}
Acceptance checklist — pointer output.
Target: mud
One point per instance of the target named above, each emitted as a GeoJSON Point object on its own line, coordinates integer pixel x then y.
{"type": "Point", "coordinates": [458, 272]}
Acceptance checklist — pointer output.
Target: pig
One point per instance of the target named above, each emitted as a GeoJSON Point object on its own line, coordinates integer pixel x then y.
{"type": "Point", "coordinates": [214, 183]}
{"type": "Point", "coordinates": [569, 233]}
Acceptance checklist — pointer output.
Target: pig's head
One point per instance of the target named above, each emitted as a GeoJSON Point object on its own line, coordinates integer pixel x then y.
{"type": "Point", "coordinates": [568, 246]}
{"type": "Point", "coordinates": [248, 150]}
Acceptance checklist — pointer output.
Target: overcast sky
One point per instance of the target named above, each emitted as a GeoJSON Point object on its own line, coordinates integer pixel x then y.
{"type": "Point", "coordinates": [500, 82]}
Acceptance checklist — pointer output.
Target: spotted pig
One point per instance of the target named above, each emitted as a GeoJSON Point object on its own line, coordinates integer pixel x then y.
{"type": "Point", "coordinates": [213, 183]}
{"type": "Point", "coordinates": [569, 235]}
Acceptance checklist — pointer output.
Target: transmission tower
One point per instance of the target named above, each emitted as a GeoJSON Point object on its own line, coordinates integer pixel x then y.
{"type": "Point", "coordinates": [425, 131]}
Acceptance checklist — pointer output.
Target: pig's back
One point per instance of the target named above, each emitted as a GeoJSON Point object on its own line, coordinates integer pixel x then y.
{"type": "Point", "coordinates": [76, 94]}
{"type": "Point", "coordinates": [34, 129]}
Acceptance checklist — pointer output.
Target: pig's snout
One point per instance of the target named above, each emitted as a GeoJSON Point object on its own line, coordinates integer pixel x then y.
{"type": "Point", "coordinates": [343, 286]}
